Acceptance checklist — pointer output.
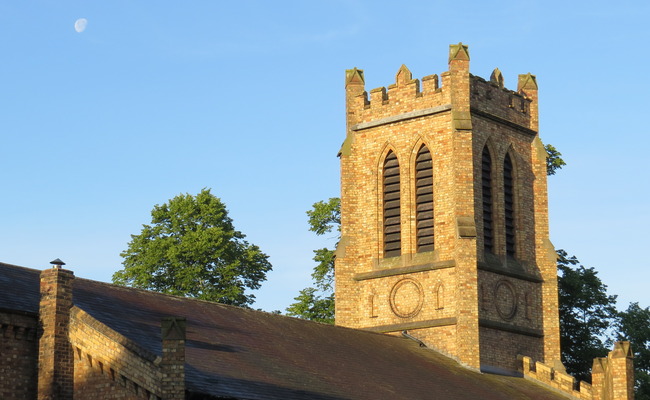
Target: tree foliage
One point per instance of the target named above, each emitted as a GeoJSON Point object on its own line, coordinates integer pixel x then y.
{"type": "Point", "coordinates": [192, 249]}
{"type": "Point", "coordinates": [554, 160]}
{"type": "Point", "coordinates": [586, 314]}
{"type": "Point", "coordinates": [316, 303]}
{"type": "Point", "coordinates": [634, 325]}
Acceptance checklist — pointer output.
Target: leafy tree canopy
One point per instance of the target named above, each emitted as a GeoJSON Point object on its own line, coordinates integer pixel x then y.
{"type": "Point", "coordinates": [554, 160]}
{"type": "Point", "coordinates": [586, 314]}
{"type": "Point", "coordinates": [317, 303]}
{"type": "Point", "coordinates": [192, 249]}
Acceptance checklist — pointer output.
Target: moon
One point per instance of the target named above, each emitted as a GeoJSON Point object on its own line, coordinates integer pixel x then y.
{"type": "Point", "coordinates": [80, 25]}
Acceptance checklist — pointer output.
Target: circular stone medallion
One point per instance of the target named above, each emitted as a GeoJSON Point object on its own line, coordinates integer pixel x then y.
{"type": "Point", "coordinates": [505, 298]}
{"type": "Point", "coordinates": [406, 298]}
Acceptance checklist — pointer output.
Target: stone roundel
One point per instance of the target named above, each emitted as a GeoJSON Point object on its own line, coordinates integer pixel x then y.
{"type": "Point", "coordinates": [406, 298]}
{"type": "Point", "coordinates": [505, 299]}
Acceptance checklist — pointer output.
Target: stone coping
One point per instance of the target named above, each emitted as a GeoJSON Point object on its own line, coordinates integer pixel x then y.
{"type": "Point", "coordinates": [401, 117]}
{"type": "Point", "coordinates": [500, 326]}
{"type": "Point", "coordinates": [404, 270]}
{"type": "Point", "coordinates": [431, 323]}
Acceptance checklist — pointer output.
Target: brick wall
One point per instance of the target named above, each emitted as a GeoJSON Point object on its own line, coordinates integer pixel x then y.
{"type": "Point", "coordinates": [79, 355]}
{"type": "Point", "coordinates": [94, 382]}
{"type": "Point", "coordinates": [107, 363]}
{"type": "Point", "coordinates": [18, 356]}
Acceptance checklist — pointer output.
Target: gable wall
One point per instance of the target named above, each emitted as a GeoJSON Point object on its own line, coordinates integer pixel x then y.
{"type": "Point", "coordinates": [108, 364]}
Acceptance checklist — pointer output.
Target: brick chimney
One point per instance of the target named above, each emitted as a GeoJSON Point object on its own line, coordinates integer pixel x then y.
{"type": "Point", "coordinates": [173, 358]}
{"type": "Point", "coordinates": [55, 356]}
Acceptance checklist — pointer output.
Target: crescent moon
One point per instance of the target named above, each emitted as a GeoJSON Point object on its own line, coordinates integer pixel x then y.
{"type": "Point", "coordinates": [80, 25]}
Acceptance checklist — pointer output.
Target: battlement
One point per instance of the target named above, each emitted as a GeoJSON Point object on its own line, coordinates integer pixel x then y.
{"type": "Point", "coordinates": [612, 376]}
{"type": "Point", "coordinates": [405, 94]}
{"type": "Point", "coordinates": [432, 91]}
{"type": "Point", "coordinates": [556, 379]}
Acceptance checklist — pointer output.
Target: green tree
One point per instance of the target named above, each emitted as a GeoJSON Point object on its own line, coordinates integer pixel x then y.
{"type": "Point", "coordinates": [192, 249]}
{"type": "Point", "coordinates": [634, 325]}
{"type": "Point", "coordinates": [554, 160]}
{"type": "Point", "coordinates": [586, 314]}
{"type": "Point", "coordinates": [316, 303]}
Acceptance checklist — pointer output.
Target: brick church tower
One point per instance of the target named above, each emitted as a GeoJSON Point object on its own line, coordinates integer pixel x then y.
{"type": "Point", "coordinates": [444, 216]}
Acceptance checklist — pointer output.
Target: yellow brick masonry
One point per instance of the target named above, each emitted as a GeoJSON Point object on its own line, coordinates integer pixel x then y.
{"type": "Point", "coordinates": [55, 358]}
{"type": "Point", "coordinates": [110, 366]}
{"type": "Point", "coordinates": [80, 357]}
{"type": "Point", "coordinates": [612, 376]}
{"type": "Point", "coordinates": [449, 298]}
{"type": "Point", "coordinates": [18, 354]}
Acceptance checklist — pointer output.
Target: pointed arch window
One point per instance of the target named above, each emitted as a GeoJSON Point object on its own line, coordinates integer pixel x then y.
{"type": "Point", "coordinates": [391, 205]}
{"type": "Point", "coordinates": [508, 196]}
{"type": "Point", "coordinates": [486, 182]}
{"type": "Point", "coordinates": [424, 200]}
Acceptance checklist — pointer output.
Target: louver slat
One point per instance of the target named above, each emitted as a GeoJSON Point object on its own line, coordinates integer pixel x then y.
{"type": "Point", "coordinates": [486, 181]}
{"type": "Point", "coordinates": [391, 206]}
{"type": "Point", "coordinates": [424, 200]}
{"type": "Point", "coordinates": [509, 206]}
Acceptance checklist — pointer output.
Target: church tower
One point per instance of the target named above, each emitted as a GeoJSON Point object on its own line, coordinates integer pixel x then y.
{"type": "Point", "coordinates": [444, 216]}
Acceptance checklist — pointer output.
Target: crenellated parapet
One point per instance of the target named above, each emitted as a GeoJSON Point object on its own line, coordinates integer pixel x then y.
{"type": "Point", "coordinates": [612, 376]}
{"type": "Point", "coordinates": [555, 378]}
{"type": "Point", "coordinates": [489, 97]}
{"type": "Point", "coordinates": [406, 94]}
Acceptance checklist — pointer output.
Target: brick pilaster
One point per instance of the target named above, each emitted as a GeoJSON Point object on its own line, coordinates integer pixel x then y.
{"type": "Point", "coordinates": [612, 377]}
{"type": "Point", "coordinates": [621, 368]}
{"type": "Point", "coordinates": [173, 358]}
{"type": "Point", "coordinates": [467, 335]}
{"type": "Point", "coordinates": [55, 356]}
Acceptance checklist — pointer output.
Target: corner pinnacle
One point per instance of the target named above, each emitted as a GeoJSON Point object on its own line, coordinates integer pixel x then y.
{"type": "Point", "coordinates": [354, 77]}
{"type": "Point", "coordinates": [497, 77]}
{"type": "Point", "coordinates": [458, 52]}
{"type": "Point", "coordinates": [527, 82]}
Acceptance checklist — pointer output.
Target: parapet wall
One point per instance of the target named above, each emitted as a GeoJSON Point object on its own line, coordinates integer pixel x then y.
{"type": "Point", "coordinates": [405, 95]}
{"type": "Point", "coordinates": [612, 376]}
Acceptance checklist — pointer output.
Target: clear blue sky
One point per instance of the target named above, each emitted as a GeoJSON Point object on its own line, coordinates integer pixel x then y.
{"type": "Point", "coordinates": [159, 98]}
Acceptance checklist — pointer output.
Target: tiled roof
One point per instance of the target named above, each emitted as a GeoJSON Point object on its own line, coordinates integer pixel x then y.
{"type": "Point", "coordinates": [19, 288]}
{"type": "Point", "coordinates": [238, 353]}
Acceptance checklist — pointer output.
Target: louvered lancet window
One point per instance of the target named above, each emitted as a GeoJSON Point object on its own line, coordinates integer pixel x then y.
{"type": "Point", "coordinates": [508, 195]}
{"type": "Point", "coordinates": [486, 181]}
{"type": "Point", "coordinates": [424, 199]}
{"type": "Point", "coordinates": [392, 220]}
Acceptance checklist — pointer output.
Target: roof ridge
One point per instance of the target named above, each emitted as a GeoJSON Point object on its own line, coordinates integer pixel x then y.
{"type": "Point", "coordinates": [20, 267]}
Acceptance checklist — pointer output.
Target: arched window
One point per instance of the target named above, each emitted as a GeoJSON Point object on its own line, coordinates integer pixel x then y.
{"type": "Point", "coordinates": [486, 181]}
{"type": "Point", "coordinates": [391, 201]}
{"type": "Point", "coordinates": [508, 196]}
{"type": "Point", "coordinates": [424, 200]}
